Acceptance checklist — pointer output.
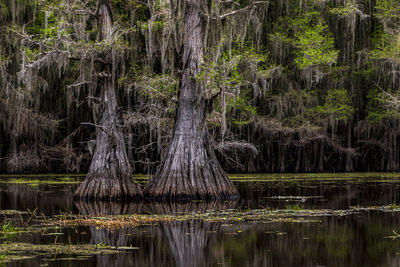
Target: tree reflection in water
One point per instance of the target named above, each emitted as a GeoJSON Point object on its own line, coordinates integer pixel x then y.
{"type": "Point", "coordinates": [108, 208]}
{"type": "Point", "coordinates": [189, 242]}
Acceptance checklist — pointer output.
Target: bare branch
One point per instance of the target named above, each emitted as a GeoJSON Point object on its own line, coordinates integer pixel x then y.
{"type": "Point", "coordinates": [98, 126]}
{"type": "Point", "coordinates": [229, 2]}
{"type": "Point", "coordinates": [79, 84]}
{"type": "Point", "coordinates": [242, 9]}
{"type": "Point", "coordinates": [394, 100]}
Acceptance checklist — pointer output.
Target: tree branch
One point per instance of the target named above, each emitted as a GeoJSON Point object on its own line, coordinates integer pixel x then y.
{"type": "Point", "coordinates": [242, 9]}
{"type": "Point", "coordinates": [229, 2]}
{"type": "Point", "coordinates": [97, 126]}
{"type": "Point", "coordinates": [394, 100]}
{"type": "Point", "coordinates": [79, 84]}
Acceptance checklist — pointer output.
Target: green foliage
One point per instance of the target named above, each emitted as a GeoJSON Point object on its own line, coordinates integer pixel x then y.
{"type": "Point", "coordinates": [395, 235]}
{"type": "Point", "coordinates": [222, 74]}
{"type": "Point", "coordinates": [156, 25]}
{"type": "Point", "coordinates": [393, 206]}
{"type": "Point", "coordinates": [244, 112]}
{"type": "Point", "coordinates": [156, 87]}
{"type": "Point", "coordinates": [348, 9]}
{"type": "Point", "coordinates": [379, 106]}
{"type": "Point", "coordinates": [255, 63]}
{"type": "Point", "coordinates": [162, 85]}
{"type": "Point", "coordinates": [157, 22]}
{"type": "Point", "coordinates": [387, 46]}
{"type": "Point", "coordinates": [315, 44]}
{"type": "Point", "coordinates": [312, 108]}
{"type": "Point", "coordinates": [295, 207]}
{"type": "Point", "coordinates": [125, 10]}
{"type": "Point", "coordinates": [231, 74]}
{"type": "Point", "coordinates": [8, 227]}
{"type": "Point", "coordinates": [9, 230]}
{"type": "Point", "coordinates": [337, 107]}
{"type": "Point", "coordinates": [4, 59]}
{"type": "Point", "coordinates": [3, 258]}
{"type": "Point", "coordinates": [387, 42]}
{"type": "Point", "coordinates": [31, 54]}
{"type": "Point", "coordinates": [311, 38]}
{"type": "Point", "coordinates": [4, 11]}
{"type": "Point", "coordinates": [388, 11]}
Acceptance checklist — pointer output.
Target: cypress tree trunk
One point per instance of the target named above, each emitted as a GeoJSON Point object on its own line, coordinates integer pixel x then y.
{"type": "Point", "coordinates": [190, 169]}
{"type": "Point", "coordinates": [110, 174]}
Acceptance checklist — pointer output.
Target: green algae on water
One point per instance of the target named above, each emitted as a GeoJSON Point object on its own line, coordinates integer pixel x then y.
{"type": "Point", "coordinates": [36, 182]}
{"type": "Point", "coordinates": [21, 251]}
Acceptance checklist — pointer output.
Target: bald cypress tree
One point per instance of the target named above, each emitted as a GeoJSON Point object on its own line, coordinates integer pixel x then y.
{"type": "Point", "coordinates": [190, 169]}
{"type": "Point", "coordinates": [110, 174]}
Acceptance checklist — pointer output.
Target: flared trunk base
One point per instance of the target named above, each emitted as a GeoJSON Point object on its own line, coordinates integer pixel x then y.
{"type": "Point", "coordinates": [108, 187]}
{"type": "Point", "coordinates": [190, 171]}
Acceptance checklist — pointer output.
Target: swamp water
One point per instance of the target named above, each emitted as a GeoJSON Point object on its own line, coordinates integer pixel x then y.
{"type": "Point", "coordinates": [281, 220]}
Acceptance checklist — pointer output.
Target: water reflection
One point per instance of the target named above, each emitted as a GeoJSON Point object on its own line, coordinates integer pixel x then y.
{"type": "Point", "coordinates": [349, 241]}
{"type": "Point", "coordinates": [147, 239]}
{"type": "Point", "coordinates": [321, 194]}
{"type": "Point", "coordinates": [108, 208]}
{"type": "Point", "coordinates": [49, 199]}
{"type": "Point", "coordinates": [189, 242]}
{"type": "Point", "coordinates": [52, 199]}
{"type": "Point", "coordinates": [356, 240]}
{"type": "Point", "coordinates": [188, 207]}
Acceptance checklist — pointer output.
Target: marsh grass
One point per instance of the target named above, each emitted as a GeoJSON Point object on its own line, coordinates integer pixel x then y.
{"type": "Point", "coordinates": [3, 258]}
{"type": "Point", "coordinates": [296, 214]}
{"type": "Point", "coordinates": [33, 222]}
{"type": "Point", "coordinates": [386, 208]}
{"type": "Point", "coordinates": [294, 207]}
{"type": "Point", "coordinates": [8, 227]}
{"type": "Point", "coordinates": [13, 251]}
{"type": "Point", "coordinates": [20, 251]}
{"type": "Point", "coordinates": [36, 182]}
{"type": "Point", "coordinates": [393, 206]}
{"type": "Point", "coordinates": [8, 231]}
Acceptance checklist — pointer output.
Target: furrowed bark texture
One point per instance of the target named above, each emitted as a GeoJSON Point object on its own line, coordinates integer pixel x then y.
{"type": "Point", "coordinates": [190, 169]}
{"type": "Point", "coordinates": [110, 174]}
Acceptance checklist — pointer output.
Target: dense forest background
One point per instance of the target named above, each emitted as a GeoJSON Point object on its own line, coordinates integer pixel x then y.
{"type": "Point", "coordinates": [300, 86]}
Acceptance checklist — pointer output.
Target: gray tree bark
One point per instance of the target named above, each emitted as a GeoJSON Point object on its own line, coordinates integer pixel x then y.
{"type": "Point", "coordinates": [190, 169]}
{"type": "Point", "coordinates": [110, 174]}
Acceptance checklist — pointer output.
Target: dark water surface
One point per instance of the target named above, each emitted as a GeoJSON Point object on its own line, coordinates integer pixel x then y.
{"type": "Point", "coordinates": [359, 239]}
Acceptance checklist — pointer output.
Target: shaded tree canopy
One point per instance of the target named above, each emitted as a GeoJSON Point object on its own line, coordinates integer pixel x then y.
{"type": "Point", "coordinates": [295, 85]}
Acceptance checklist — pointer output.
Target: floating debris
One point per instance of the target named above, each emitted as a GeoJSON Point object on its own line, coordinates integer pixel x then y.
{"type": "Point", "coordinates": [296, 198]}
{"type": "Point", "coordinates": [387, 208]}
{"type": "Point", "coordinates": [22, 251]}
{"type": "Point", "coordinates": [226, 217]}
